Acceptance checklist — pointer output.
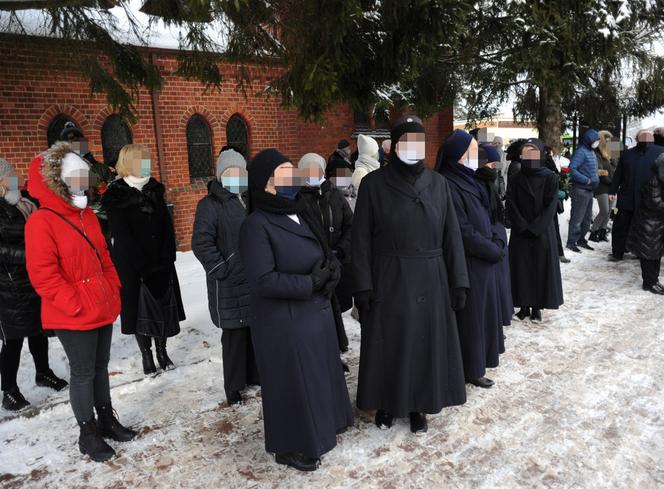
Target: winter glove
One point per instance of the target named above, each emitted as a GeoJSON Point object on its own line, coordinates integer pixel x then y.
{"type": "Point", "coordinates": [562, 195]}
{"type": "Point", "coordinates": [497, 254]}
{"type": "Point", "coordinates": [320, 275]}
{"type": "Point", "coordinates": [458, 299]}
{"type": "Point", "coordinates": [333, 281]}
{"type": "Point", "coordinates": [363, 303]}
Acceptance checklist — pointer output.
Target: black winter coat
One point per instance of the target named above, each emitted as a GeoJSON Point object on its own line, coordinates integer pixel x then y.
{"type": "Point", "coordinates": [605, 181]}
{"type": "Point", "coordinates": [646, 236]}
{"type": "Point", "coordinates": [20, 306]}
{"type": "Point", "coordinates": [216, 243]}
{"type": "Point", "coordinates": [532, 200]}
{"type": "Point", "coordinates": [632, 173]}
{"type": "Point", "coordinates": [407, 250]}
{"type": "Point", "coordinates": [304, 393]}
{"type": "Point", "coordinates": [143, 244]}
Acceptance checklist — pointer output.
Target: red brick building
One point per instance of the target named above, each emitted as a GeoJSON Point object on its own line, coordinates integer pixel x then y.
{"type": "Point", "coordinates": [184, 126]}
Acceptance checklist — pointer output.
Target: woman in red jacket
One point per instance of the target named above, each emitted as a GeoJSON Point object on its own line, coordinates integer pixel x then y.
{"type": "Point", "coordinates": [70, 268]}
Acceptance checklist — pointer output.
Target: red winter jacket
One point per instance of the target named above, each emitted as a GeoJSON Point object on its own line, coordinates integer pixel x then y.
{"type": "Point", "coordinates": [78, 290]}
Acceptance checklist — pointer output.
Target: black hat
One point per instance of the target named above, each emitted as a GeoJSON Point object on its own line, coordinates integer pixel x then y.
{"type": "Point", "coordinates": [406, 124]}
{"type": "Point", "coordinates": [69, 130]}
{"type": "Point", "coordinates": [343, 144]}
{"type": "Point", "coordinates": [263, 165]}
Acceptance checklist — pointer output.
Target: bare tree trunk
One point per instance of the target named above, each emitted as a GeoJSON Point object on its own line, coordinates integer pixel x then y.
{"type": "Point", "coordinates": [549, 119]}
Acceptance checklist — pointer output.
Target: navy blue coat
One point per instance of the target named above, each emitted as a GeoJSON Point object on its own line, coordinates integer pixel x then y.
{"type": "Point", "coordinates": [408, 252]}
{"type": "Point", "coordinates": [632, 173]}
{"type": "Point", "coordinates": [481, 321]}
{"type": "Point", "coordinates": [304, 393]}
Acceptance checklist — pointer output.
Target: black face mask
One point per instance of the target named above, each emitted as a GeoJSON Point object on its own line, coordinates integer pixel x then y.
{"type": "Point", "coordinates": [533, 164]}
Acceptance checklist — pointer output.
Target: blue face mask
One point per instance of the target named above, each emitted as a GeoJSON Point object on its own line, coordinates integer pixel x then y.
{"type": "Point", "coordinates": [236, 185]}
{"type": "Point", "coordinates": [289, 192]}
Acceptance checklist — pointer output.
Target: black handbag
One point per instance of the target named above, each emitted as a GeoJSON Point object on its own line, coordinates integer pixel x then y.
{"type": "Point", "coordinates": [158, 318]}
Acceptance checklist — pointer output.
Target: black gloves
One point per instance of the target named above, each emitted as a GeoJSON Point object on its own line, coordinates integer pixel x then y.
{"type": "Point", "coordinates": [335, 276]}
{"type": "Point", "coordinates": [458, 299]}
{"type": "Point", "coordinates": [320, 275]}
{"type": "Point", "coordinates": [363, 304]}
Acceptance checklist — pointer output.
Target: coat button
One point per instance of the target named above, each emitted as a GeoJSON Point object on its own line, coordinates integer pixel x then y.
{"type": "Point", "coordinates": [421, 299]}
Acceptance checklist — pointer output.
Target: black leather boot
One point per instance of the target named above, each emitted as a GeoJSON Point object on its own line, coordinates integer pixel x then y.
{"type": "Point", "coordinates": [145, 345]}
{"type": "Point", "coordinates": [162, 356]}
{"type": "Point", "coordinates": [383, 419]}
{"type": "Point", "coordinates": [536, 315]}
{"type": "Point", "coordinates": [523, 313]}
{"type": "Point", "coordinates": [298, 461]}
{"type": "Point", "coordinates": [50, 380]}
{"type": "Point", "coordinates": [482, 382]}
{"type": "Point", "coordinates": [109, 426]}
{"type": "Point", "coordinates": [92, 444]}
{"type": "Point", "coordinates": [603, 235]}
{"type": "Point", "coordinates": [594, 237]}
{"type": "Point", "coordinates": [418, 423]}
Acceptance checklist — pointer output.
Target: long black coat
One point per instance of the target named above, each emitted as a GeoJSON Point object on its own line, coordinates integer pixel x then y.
{"type": "Point", "coordinates": [143, 244]}
{"type": "Point", "coordinates": [216, 243]}
{"type": "Point", "coordinates": [532, 202]}
{"type": "Point", "coordinates": [646, 236]}
{"type": "Point", "coordinates": [20, 305]}
{"type": "Point", "coordinates": [481, 320]}
{"type": "Point", "coordinates": [407, 250]}
{"type": "Point", "coordinates": [632, 173]}
{"type": "Point", "coordinates": [304, 393]}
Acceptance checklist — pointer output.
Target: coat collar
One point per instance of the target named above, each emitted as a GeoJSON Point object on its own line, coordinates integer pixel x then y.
{"type": "Point", "coordinates": [462, 184]}
{"type": "Point", "coordinates": [398, 183]}
{"type": "Point", "coordinates": [285, 222]}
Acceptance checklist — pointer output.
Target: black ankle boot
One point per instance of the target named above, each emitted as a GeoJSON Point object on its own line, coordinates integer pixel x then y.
{"type": "Point", "coordinates": [50, 380]}
{"type": "Point", "coordinates": [298, 461]}
{"type": "Point", "coordinates": [536, 315]}
{"type": "Point", "coordinates": [145, 345]}
{"type": "Point", "coordinates": [92, 444]}
{"type": "Point", "coordinates": [523, 313]}
{"type": "Point", "coordinates": [594, 237]}
{"type": "Point", "coordinates": [13, 400]}
{"type": "Point", "coordinates": [383, 419]}
{"type": "Point", "coordinates": [109, 426]}
{"type": "Point", "coordinates": [162, 356]}
{"type": "Point", "coordinates": [418, 423]}
{"type": "Point", "coordinates": [604, 235]}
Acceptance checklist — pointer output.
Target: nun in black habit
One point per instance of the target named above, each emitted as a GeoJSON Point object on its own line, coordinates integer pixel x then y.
{"type": "Point", "coordinates": [480, 321]}
{"type": "Point", "coordinates": [292, 274]}
{"type": "Point", "coordinates": [410, 273]}
{"type": "Point", "coordinates": [532, 202]}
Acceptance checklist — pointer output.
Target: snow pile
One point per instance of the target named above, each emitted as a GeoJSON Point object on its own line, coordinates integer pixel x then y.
{"type": "Point", "coordinates": [577, 403]}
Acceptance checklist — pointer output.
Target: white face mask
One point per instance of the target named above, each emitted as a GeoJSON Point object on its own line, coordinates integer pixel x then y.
{"type": "Point", "coordinates": [472, 163]}
{"type": "Point", "coordinates": [315, 181]}
{"type": "Point", "coordinates": [80, 201]}
{"type": "Point", "coordinates": [411, 152]}
{"type": "Point", "coordinates": [12, 196]}
{"type": "Point", "coordinates": [595, 145]}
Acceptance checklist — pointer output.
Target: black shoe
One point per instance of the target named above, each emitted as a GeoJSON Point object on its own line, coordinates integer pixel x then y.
{"type": "Point", "coordinates": [13, 400]}
{"type": "Point", "coordinates": [298, 461]}
{"type": "Point", "coordinates": [657, 288]}
{"type": "Point", "coordinates": [109, 427]}
{"type": "Point", "coordinates": [564, 259]}
{"type": "Point", "coordinates": [594, 237]}
{"type": "Point", "coordinates": [418, 423]}
{"type": "Point", "coordinates": [49, 379]}
{"type": "Point", "coordinates": [145, 345]}
{"type": "Point", "coordinates": [92, 444]}
{"type": "Point", "coordinates": [585, 246]}
{"type": "Point", "coordinates": [536, 315]}
{"type": "Point", "coordinates": [344, 367]}
{"type": "Point", "coordinates": [383, 419]}
{"type": "Point", "coordinates": [482, 382]}
{"type": "Point", "coordinates": [234, 398]}
{"type": "Point", "coordinates": [603, 235]}
{"type": "Point", "coordinates": [615, 257]}
{"type": "Point", "coordinates": [162, 356]}
{"type": "Point", "coordinates": [574, 248]}
{"type": "Point", "coordinates": [523, 313]}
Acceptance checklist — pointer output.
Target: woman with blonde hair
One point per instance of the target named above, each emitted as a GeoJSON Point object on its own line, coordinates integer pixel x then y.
{"type": "Point", "coordinates": [606, 165]}
{"type": "Point", "coordinates": [143, 246]}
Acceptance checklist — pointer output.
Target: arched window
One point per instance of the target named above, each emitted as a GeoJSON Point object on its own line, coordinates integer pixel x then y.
{"type": "Point", "coordinates": [115, 134]}
{"type": "Point", "coordinates": [55, 127]}
{"type": "Point", "coordinates": [237, 134]}
{"type": "Point", "coordinates": [199, 147]}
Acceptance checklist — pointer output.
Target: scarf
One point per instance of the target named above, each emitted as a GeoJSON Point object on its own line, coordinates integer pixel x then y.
{"type": "Point", "coordinates": [468, 175]}
{"type": "Point", "coordinates": [367, 162]}
{"type": "Point", "coordinates": [408, 172]}
{"type": "Point", "coordinates": [496, 208]}
{"type": "Point", "coordinates": [535, 172]}
{"type": "Point", "coordinates": [137, 182]}
{"type": "Point", "coordinates": [26, 207]}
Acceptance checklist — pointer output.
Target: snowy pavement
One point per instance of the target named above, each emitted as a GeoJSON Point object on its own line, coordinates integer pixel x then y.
{"type": "Point", "coordinates": [577, 404]}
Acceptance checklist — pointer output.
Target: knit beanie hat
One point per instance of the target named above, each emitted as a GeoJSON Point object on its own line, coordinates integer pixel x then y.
{"type": "Point", "coordinates": [456, 145]}
{"type": "Point", "coordinates": [312, 160]}
{"type": "Point", "coordinates": [229, 159]}
{"type": "Point", "coordinates": [262, 167]}
{"type": "Point", "coordinates": [367, 145]}
{"type": "Point", "coordinates": [406, 124]}
{"type": "Point", "coordinates": [6, 169]}
{"type": "Point", "coordinates": [343, 144]}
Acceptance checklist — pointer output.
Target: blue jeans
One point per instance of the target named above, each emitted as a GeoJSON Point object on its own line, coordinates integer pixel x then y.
{"type": "Point", "coordinates": [582, 216]}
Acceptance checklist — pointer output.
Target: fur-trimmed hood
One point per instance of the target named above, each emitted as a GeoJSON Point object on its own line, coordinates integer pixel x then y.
{"type": "Point", "coordinates": [45, 181]}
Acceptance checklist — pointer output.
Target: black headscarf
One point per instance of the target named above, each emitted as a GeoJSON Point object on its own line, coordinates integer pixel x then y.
{"type": "Point", "coordinates": [404, 125]}
{"type": "Point", "coordinates": [542, 170]}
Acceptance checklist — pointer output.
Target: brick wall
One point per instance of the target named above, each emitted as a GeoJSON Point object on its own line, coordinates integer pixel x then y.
{"type": "Point", "coordinates": [37, 84]}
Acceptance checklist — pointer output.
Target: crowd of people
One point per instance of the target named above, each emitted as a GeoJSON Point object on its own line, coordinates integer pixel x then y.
{"type": "Point", "coordinates": [421, 251]}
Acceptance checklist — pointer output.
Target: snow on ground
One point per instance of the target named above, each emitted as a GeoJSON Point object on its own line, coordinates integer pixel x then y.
{"type": "Point", "coordinates": [577, 403]}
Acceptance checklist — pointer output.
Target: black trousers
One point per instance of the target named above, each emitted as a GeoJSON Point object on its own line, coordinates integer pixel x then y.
{"type": "Point", "coordinates": [620, 232]}
{"type": "Point", "coordinates": [10, 358]}
{"type": "Point", "coordinates": [88, 353]}
{"type": "Point", "coordinates": [239, 361]}
{"type": "Point", "coordinates": [650, 271]}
